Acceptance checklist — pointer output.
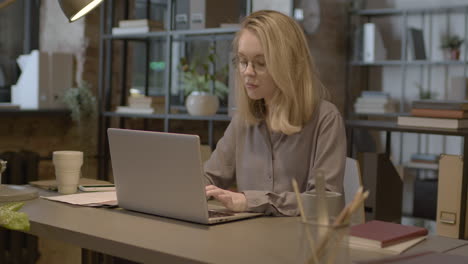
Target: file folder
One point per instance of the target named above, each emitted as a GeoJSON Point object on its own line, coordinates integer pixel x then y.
{"type": "Point", "coordinates": [450, 216]}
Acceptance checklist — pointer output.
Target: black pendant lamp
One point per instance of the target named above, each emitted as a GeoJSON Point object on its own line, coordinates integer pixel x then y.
{"type": "Point", "coordinates": [74, 9]}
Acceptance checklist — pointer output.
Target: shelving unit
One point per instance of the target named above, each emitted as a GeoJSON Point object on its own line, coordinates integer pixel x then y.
{"type": "Point", "coordinates": [404, 65]}
{"type": "Point", "coordinates": [426, 14]}
{"type": "Point", "coordinates": [162, 43]}
{"type": "Point", "coordinates": [34, 112]}
{"type": "Point", "coordinates": [402, 69]}
{"type": "Point", "coordinates": [389, 127]}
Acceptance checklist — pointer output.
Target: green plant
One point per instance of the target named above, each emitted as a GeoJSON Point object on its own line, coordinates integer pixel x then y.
{"type": "Point", "coordinates": [81, 102]}
{"type": "Point", "coordinates": [10, 218]}
{"type": "Point", "coordinates": [196, 76]}
{"type": "Point", "coordinates": [451, 41]}
{"type": "Point", "coordinates": [425, 94]}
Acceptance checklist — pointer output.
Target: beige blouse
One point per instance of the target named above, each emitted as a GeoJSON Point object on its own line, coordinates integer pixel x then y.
{"type": "Point", "coordinates": [262, 164]}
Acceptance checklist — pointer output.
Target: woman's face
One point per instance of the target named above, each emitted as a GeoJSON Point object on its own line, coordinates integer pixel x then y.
{"type": "Point", "coordinates": [252, 66]}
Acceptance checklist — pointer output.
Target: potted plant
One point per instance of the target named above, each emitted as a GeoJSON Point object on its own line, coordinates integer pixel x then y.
{"type": "Point", "coordinates": [450, 45]}
{"type": "Point", "coordinates": [197, 83]}
{"type": "Point", "coordinates": [83, 106]}
{"type": "Point", "coordinates": [425, 94]}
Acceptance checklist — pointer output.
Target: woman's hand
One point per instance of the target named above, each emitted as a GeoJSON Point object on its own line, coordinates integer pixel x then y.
{"type": "Point", "coordinates": [232, 200]}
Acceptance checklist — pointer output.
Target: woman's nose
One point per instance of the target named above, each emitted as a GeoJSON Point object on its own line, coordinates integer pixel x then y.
{"type": "Point", "coordinates": [250, 69]}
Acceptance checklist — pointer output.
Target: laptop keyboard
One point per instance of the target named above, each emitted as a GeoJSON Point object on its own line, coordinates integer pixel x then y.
{"type": "Point", "coordinates": [213, 214]}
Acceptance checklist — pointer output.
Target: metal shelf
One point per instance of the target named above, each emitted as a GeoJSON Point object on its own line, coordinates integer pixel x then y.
{"type": "Point", "coordinates": [206, 31]}
{"type": "Point", "coordinates": [109, 67]}
{"type": "Point", "coordinates": [422, 166]}
{"type": "Point", "coordinates": [169, 116]}
{"type": "Point", "coordinates": [207, 118]}
{"type": "Point", "coordinates": [175, 33]}
{"type": "Point", "coordinates": [409, 63]}
{"type": "Point", "coordinates": [394, 127]}
{"type": "Point", "coordinates": [138, 36]}
{"type": "Point", "coordinates": [29, 112]}
{"type": "Point", "coordinates": [396, 114]}
{"type": "Point", "coordinates": [409, 11]}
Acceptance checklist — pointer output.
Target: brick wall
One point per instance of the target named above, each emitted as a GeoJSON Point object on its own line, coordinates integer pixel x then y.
{"type": "Point", "coordinates": [46, 134]}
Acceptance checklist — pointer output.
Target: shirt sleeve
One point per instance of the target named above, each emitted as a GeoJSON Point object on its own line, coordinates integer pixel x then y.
{"type": "Point", "coordinates": [220, 168]}
{"type": "Point", "coordinates": [269, 203]}
{"type": "Point", "coordinates": [330, 158]}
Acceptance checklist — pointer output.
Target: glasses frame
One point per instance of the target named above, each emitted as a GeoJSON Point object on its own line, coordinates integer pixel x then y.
{"type": "Point", "coordinates": [257, 67]}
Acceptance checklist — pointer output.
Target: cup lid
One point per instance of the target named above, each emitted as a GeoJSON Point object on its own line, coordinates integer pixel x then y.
{"type": "Point", "coordinates": [67, 154]}
{"type": "Point", "coordinates": [327, 193]}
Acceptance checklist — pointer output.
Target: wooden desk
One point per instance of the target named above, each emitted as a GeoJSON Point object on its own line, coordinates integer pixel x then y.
{"type": "Point", "coordinates": [146, 238]}
{"type": "Point", "coordinates": [392, 126]}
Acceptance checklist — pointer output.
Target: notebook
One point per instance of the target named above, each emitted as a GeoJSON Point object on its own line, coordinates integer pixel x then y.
{"type": "Point", "coordinates": [420, 258]}
{"type": "Point", "coordinates": [161, 173]}
{"type": "Point", "coordinates": [383, 234]}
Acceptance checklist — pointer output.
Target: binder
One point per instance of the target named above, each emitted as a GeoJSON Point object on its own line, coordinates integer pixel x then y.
{"type": "Point", "coordinates": [197, 14]}
{"type": "Point", "coordinates": [43, 81]}
{"type": "Point", "coordinates": [373, 47]}
{"type": "Point", "coordinates": [416, 42]}
{"type": "Point", "coordinates": [449, 197]}
{"type": "Point", "coordinates": [181, 16]}
{"type": "Point", "coordinates": [222, 12]}
{"type": "Point", "coordinates": [385, 186]}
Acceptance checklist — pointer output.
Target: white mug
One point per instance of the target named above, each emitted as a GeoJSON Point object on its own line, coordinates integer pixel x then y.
{"type": "Point", "coordinates": [67, 170]}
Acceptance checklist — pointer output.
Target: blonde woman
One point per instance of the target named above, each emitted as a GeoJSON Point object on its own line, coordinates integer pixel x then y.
{"type": "Point", "coordinates": [283, 128]}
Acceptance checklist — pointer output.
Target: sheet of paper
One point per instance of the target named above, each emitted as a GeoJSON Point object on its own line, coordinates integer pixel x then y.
{"type": "Point", "coordinates": [51, 185]}
{"type": "Point", "coordinates": [87, 199]}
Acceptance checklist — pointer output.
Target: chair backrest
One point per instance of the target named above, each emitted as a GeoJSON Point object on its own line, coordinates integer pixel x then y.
{"type": "Point", "coordinates": [352, 181]}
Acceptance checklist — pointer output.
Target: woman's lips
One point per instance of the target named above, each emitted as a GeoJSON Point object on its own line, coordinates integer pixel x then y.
{"type": "Point", "coordinates": [250, 86]}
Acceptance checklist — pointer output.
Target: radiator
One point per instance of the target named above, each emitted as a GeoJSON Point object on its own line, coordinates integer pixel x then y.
{"type": "Point", "coordinates": [17, 247]}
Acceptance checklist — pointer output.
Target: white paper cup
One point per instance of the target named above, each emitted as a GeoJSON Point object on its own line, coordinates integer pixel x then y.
{"type": "Point", "coordinates": [67, 170]}
{"type": "Point", "coordinates": [335, 203]}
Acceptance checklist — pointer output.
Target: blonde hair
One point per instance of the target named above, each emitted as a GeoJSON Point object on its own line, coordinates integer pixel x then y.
{"type": "Point", "coordinates": [289, 63]}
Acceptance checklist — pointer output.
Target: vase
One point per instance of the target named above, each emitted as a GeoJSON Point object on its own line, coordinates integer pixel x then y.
{"type": "Point", "coordinates": [452, 54]}
{"type": "Point", "coordinates": [202, 104]}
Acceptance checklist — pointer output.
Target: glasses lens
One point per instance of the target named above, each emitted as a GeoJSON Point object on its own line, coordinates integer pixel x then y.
{"type": "Point", "coordinates": [260, 67]}
{"type": "Point", "coordinates": [243, 65]}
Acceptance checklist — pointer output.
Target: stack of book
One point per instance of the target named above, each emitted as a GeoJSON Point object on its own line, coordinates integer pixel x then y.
{"type": "Point", "coordinates": [424, 161]}
{"type": "Point", "coordinates": [385, 237]}
{"type": "Point", "coordinates": [9, 106]}
{"type": "Point", "coordinates": [137, 26]}
{"type": "Point", "coordinates": [137, 105]}
{"type": "Point", "coordinates": [437, 114]}
{"type": "Point", "coordinates": [374, 102]}
{"type": "Point", "coordinates": [424, 257]}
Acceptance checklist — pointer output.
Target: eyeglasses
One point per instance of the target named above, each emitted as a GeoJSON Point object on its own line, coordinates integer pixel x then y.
{"type": "Point", "coordinates": [259, 67]}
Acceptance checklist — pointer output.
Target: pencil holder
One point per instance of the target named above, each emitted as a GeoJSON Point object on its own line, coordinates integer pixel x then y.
{"type": "Point", "coordinates": [323, 243]}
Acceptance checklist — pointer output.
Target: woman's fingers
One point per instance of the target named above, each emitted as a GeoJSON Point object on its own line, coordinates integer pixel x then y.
{"type": "Point", "coordinates": [231, 200]}
{"type": "Point", "coordinates": [226, 200]}
{"type": "Point", "coordinates": [210, 187]}
{"type": "Point", "coordinates": [215, 192]}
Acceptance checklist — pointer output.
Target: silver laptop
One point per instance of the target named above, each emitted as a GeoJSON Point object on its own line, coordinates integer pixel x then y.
{"type": "Point", "coordinates": [161, 173]}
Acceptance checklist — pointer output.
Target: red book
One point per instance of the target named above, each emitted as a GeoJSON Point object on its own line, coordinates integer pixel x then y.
{"type": "Point", "coordinates": [384, 234]}
{"type": "Point", "coordinates": [420, 258]}
{"type": "Point", "coordinates": [440, 113]}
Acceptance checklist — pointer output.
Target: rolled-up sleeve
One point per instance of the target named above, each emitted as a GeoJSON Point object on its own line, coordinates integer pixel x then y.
{"type": "Point", "coordinates": [269, 203]}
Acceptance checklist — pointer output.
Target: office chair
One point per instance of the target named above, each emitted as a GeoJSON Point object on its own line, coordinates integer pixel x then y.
{"type": "Point", "coordinates": [351, 182]}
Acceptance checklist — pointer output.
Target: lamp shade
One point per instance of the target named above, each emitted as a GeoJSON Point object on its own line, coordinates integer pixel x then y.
{"type": "Point", "coordinates": [75, 9]}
